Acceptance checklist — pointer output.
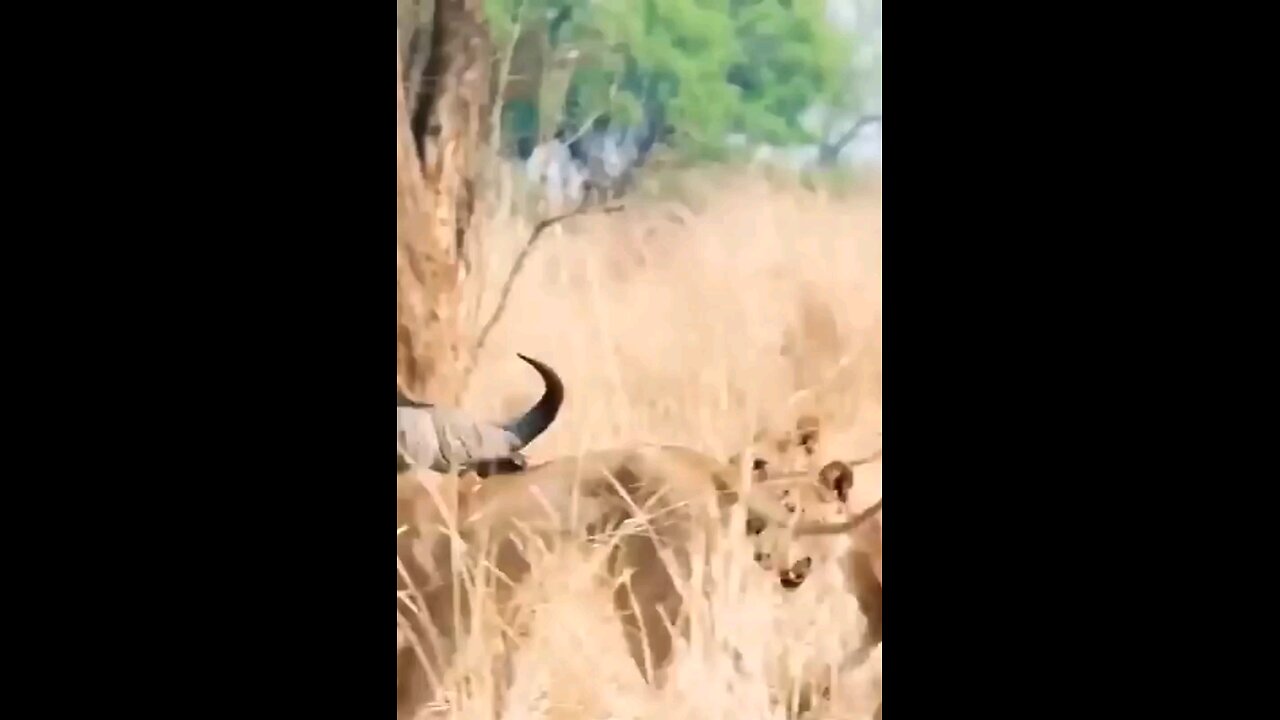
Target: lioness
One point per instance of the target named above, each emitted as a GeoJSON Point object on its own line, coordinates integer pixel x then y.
{"type": "Point", "coordinates": [842, 538]}
{"type": "Point", "coordinates": [834, 533]}
{"type": "Point", "coordinates": [675, 493]}
{"type": "Point", "coordinates": [789, 451]}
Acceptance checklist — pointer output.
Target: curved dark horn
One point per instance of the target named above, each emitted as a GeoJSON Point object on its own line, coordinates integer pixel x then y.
{"type": "Point", "coordinates": [541, 415]}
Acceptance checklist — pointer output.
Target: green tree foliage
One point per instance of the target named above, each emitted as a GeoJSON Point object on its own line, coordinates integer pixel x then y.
{"type": "Point", "coordinates": [792, 60]}
{"type": "Point", "coordinates": [716, 66]}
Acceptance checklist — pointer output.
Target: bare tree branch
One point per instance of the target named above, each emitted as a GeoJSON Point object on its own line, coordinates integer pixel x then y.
{"type": "Point", "coordinates": [591, 121]}
{"type": "Point", "coordinates": [584, 208]}
{"type": "Point", "coordinates": [504, 75]}
{"type": "Point", "coordinates": [831, 151]}
{"type": "Point", "coordinates": [582, 130]}
{"type": "Point", "coordinates": [475, 258]}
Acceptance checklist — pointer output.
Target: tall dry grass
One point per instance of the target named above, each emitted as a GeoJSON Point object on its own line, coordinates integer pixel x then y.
{"type": "Point", "coordinates": [696, 326]}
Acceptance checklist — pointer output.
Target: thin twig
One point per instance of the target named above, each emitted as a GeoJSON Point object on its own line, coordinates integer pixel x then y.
{"type": "Point", "coordinates": [582, 130]}
{"type": "Point", "coordinates": [591, 121]}
{"type": "Point", "coordinates": [582, 209]}
{"type": "Point", "coordinates": [504, 75]}
{"type": "Point", "coordinates": [836, 147]}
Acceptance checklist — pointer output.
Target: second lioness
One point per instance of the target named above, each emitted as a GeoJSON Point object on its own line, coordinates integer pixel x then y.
{"type": "Point", "coordinates": [677, 491]}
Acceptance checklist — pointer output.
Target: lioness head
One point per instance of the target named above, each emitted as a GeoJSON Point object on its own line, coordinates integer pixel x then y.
{"type": "Point", "coordinates": [788, 450]}
{"type": "Point", "coordinates": [849, 557]}
{"type": "Point", "coordinates": [824, 498]}
{"type": "Point", "coordinates": [807, 499]}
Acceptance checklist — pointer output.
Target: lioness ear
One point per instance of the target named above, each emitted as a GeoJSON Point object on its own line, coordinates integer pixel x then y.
{"type": "Point", "coordinates": [807, 434]}
{"type": "Point", "coordinates": [837, 477]}
{"type": "Point", "coordinates": [759, 470]}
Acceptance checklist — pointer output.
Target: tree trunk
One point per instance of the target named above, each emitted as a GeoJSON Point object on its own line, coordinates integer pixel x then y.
{"type": "Point", "coordinates": [438, 156]}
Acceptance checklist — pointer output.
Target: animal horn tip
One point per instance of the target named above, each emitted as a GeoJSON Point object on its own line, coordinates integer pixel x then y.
{"type": "Point", "coordinates": [542, 414]}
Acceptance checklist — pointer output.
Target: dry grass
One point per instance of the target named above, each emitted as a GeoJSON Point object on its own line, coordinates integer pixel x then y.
{"type": "Point", "coordinates": [695, 327]}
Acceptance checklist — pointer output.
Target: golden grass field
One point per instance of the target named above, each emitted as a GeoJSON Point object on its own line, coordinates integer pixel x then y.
{"type": "Point", "coordinates": [696, 324]}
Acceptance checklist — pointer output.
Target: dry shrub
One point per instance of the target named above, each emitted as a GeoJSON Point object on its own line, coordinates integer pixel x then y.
{"type": "Point", "coordinates": [695, 327]}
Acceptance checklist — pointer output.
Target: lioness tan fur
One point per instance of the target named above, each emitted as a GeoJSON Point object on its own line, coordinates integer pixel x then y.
{"type": "Point", "coordinates": [844, 539]}
{"type": "Point", "coordinates": [679, 492]}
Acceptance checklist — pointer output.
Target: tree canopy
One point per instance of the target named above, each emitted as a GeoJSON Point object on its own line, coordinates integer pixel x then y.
{"type": "Point", "coordinates": [713, 68]}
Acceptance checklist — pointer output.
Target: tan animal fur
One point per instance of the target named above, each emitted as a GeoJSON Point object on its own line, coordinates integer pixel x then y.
{"type": "Point", "coordinates": [683, 492]}
{"type": "Point", "coordinates": [836, 537]}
